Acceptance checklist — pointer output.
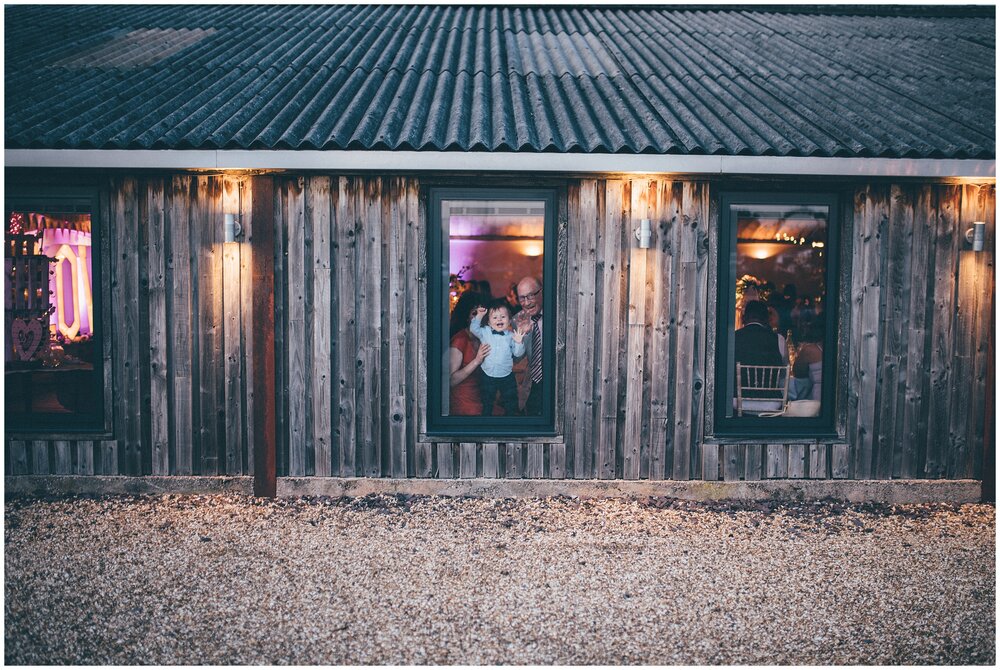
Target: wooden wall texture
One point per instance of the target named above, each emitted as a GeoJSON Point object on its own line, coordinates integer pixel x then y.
{"type": "Point", "coordinates": [350, 315]}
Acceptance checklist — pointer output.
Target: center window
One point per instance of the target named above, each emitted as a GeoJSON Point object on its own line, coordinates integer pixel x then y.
{"type": "Point", "coordinates": [492, 331]}
{"type": "Point", "coordinates": [777, 320]}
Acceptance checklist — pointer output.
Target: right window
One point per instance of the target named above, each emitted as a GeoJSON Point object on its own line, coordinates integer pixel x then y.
{"type": "Point", "coordinates": [777, 320]}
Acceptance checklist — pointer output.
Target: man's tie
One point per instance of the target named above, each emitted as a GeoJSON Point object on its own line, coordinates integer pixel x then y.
{"type": "Point", "coordinates": [536, 350]}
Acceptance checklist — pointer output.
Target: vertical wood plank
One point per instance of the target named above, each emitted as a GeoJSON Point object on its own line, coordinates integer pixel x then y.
{"type": "Point", "coordinates": [513, 454]}
{"type": "Point", "coordinates": [777, 461]}
{"type": "Point", "coordinates": [895, 322]}
{"type": "Point", "coordinates": [796, 461]}
{"type": "Point", "coordinates": [697, 204]}
{"type": "Point", "coordinates": [398, 328]}
{"type": "Point", "coordinates": [977, 426]}
{"type": "Point", "coordinates": [491, 460]}
{"type": "Point", "coordinates": [817, 461]}
{"type": "Point", "coordinates": [346, 263]}
{"type": "Point", "coordinates": [159, 394]}
{"type": "Point", "coordinates": [445, 461]}
{"type": "Point", "coordinates": [62, 463]}
{"type": "Point", "coordinates": [180, 306]}
{"type": "Point", "coordinates": [557, 461]}
{"type": "Point", "coordinates": [19, 458]}
{"type": "Point", "coordinates": [753, 462]}
{"type": "Point", "coordinates": [249, 318]}
{"type": "Point", "coordinates": [109, 457]}
{"type": "Point", "coordinates": [125, 296]}
{"type": "Point", "coordinates": [871, 234]}
{"type": "Point", "coordinates": [319, 202]}
{"type": "Point", "coordinates": [840, 461]}
{"type": "Point", "coordinates": [467, 460]}
{"type": "Point", "coordinates": [262, 389]}
{"type": "Point", "coordinates": [662, 363]}
{"type": "Point", "coordinates": [279, 226]}
{"type": "Point", "coordinates": [84, 462]}
{"type": "Point", "coordinates": [424, 460]}
{"type": "Point", "coordinates": [633, 439]}
{"type": "Point", "coordinates": [611, 341]}
{"type": "Point", "coordinates": [232, 329]}
{"type": "Point", "coordinates": [688, 378]}
{"type": "Point", "coordinates": [40, 457]}
{"type": "Point", "coordinates": [917, 374]}
{"type": "Point", "coordinates": [971, 338]}
{"type": "Point", "coordinates": [710, 462]}
{"type": "Point", "coordinates": [536, 461]}
{"type": "Point", "coordinates": [369, 303]}
{"type": "Point", "coordinates": [296, 338]}
{"type": "Point", "coordinates": [946, 247]}
{"type": "Point", "coordinates": [584, 231]}
{"type": "Point", "coordinates": [733, 466]}
{"type": "Point", "coordinates": [415, 268]}
{"type": "Point", "coordinates": [210, 388]}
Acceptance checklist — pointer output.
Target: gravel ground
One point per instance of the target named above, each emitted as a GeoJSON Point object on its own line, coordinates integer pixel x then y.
{"type": "Point", "coordinates": [425, 580]}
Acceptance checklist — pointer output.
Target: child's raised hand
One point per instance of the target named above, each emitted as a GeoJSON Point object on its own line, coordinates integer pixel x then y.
{"type": "Point", "coordinates": [478, 314]}
{"type": "Point", "coordinates": [520, 332]}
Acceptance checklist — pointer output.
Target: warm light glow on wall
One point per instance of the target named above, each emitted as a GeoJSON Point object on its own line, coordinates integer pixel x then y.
{"type": "Point", "coordinates": [762, 250]}
{"type": "Point", "coordinates": [532, 248]}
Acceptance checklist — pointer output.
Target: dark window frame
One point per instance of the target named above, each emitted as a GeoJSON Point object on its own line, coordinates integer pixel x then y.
{"type": "Point", "coordinates": [98, 422]}
{"type": "Point", "coordinates": [822, 426]}
{"type": "Point", "coordinates": [488, 427]}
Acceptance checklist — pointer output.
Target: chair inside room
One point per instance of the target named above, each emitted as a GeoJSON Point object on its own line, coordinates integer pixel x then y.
{"type": "Point", "coordinates": [761, 390]}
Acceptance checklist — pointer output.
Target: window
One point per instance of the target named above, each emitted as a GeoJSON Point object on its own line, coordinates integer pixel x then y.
{"type": "Point", "coordinates": [777, 320]}
{"type": "Point", "coordinates": [52, 359]}
{"type": "Point", "coordinates": [491, 330]}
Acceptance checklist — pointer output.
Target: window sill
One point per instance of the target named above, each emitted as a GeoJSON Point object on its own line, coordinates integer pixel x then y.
{"type": "Point", "coordinates": [486, 439]}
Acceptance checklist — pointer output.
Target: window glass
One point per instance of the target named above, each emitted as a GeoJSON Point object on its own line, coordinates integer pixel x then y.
{"type": "Point", "coordinates": [52, 355]}
{"type": "Point", "coordinates": [777, 318]}
{"type": "Point", "coordinates": [491, 331]}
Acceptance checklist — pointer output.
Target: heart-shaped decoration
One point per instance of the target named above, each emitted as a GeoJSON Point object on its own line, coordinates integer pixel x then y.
{"type": "Point", "coordinates": [27, 334]}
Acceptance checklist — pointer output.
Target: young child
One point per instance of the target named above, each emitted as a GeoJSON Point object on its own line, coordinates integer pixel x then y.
{"type": "Point", "coordinates": [497, 367]}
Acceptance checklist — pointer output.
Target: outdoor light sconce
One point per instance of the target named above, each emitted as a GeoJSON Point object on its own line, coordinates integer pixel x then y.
{"type": "Point", "coordinates": [644, 233]}
{"type": "Point", "coordinates": [232, 229]}
{"type": "Point", "coordinates": [976, 236]}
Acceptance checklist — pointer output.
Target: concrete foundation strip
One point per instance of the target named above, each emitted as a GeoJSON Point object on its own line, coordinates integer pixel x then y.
{"type": "Point", "coordinates": [895, 491]}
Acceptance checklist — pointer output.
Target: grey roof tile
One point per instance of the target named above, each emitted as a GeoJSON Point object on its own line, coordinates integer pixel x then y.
{"type": "Point", "coordinates": [815, 82]}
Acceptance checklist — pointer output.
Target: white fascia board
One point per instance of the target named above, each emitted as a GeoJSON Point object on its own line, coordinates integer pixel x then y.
{"type": "Point", "coordinates": [458, 161]}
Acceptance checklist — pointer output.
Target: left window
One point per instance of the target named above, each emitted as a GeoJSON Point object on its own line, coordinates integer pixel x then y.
{"type": "Point", "coordinates": [53, 374]}
{"type": "Point", "coordinates": [491, 328]}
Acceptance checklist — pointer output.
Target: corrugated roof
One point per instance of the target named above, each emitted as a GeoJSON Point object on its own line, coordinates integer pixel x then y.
{"type": "Point", "coordinates": [606, 79]}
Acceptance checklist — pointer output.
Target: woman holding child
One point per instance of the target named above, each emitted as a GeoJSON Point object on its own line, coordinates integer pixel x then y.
{"type": "Point", "coordinates": [466, 355]}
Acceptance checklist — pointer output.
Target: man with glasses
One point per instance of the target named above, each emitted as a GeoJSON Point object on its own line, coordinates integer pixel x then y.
{"type": "Point", "coordinates": [529, 293]}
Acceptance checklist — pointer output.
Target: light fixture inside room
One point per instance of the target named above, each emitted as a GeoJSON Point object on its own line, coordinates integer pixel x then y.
{"type": "Point", "coordinates": [976, 236]}
{"type": "Point", "coordinates": [232, 230]}
{"type": "Point", "coordinates": [532, 248]}
{"type": "Point", "coordinates": [762, 250]}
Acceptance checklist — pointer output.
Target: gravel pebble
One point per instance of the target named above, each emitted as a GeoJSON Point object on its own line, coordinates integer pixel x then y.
{"type": "Point", "coordinates": [425, 580]}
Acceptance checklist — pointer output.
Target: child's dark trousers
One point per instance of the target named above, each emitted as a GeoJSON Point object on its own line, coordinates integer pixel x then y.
{"type": "Point", "coordinates": [506, 386]}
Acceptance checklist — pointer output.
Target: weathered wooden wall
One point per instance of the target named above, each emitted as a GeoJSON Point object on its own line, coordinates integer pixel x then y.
{"type": "Point", "coordinates": [180, 323]}
{"type": "Point", "coordinates": [350, 316]}
{"type": "Point", "coordinates": [920, 331]}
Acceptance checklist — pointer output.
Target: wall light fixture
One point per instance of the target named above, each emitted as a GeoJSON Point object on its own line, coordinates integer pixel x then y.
{"type": "Point", "coordinates": [976, 236]}
{"type": "Point", "coordinates": [644, 234]}
{"type": "Point", "coordinates": [232, 230]}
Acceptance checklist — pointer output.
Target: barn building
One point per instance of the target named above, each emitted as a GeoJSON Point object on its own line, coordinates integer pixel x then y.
{"type": "Point", "coordinates": [251, 241]}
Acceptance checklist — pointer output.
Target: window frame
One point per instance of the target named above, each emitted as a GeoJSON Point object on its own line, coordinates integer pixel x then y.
{"type": "Point", "coordinates": [488, 427]}
{"type": "Point", "coordinates": [822, 426]}
{"type": "Point", "coordinates": [98, 422]}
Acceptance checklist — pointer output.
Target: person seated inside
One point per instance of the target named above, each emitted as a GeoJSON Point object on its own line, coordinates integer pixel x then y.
{"type": "Point", "coordinates": [757, 344]}
{"type": "Point", "coordinates": [807, 372]}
